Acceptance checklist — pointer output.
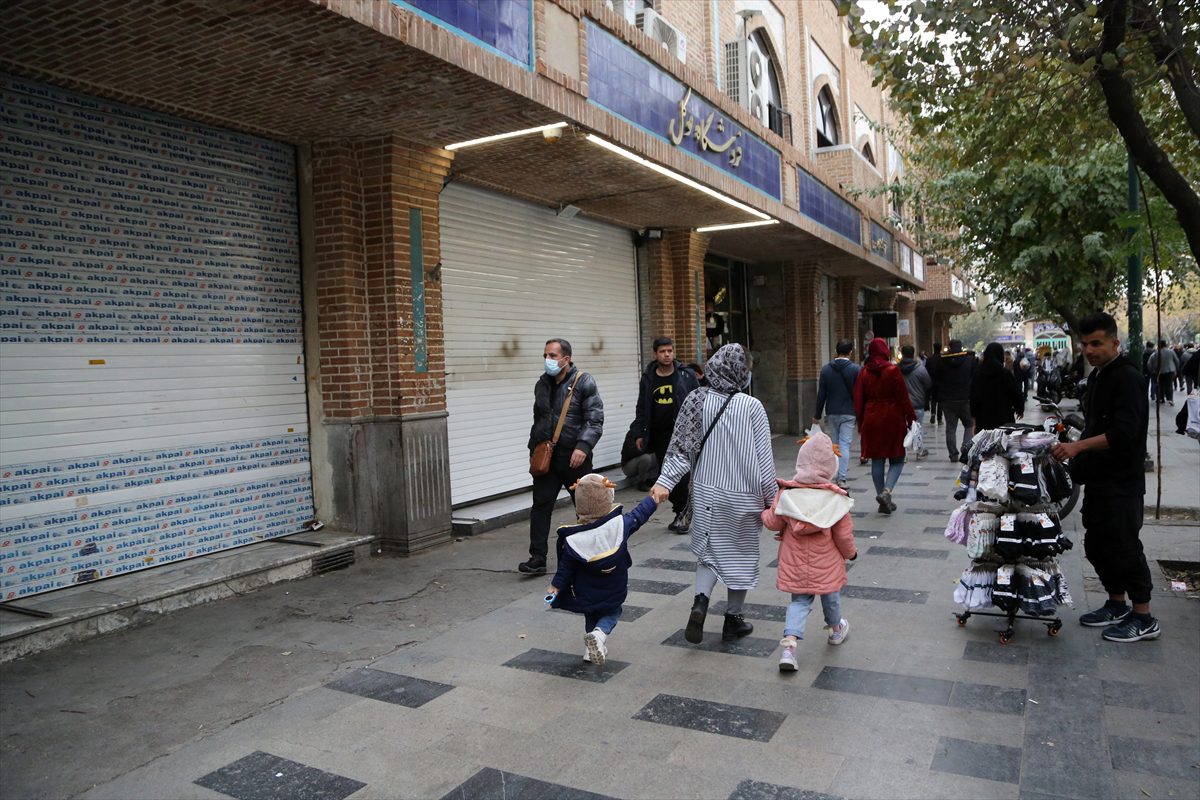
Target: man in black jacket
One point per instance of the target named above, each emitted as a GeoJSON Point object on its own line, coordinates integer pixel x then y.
{"type": "Point", "coordinates": [952, 382]}
{"type": "Point", "coordinates": [665, 382]}
{"type": "Point", "coordinates": [572, 457]}
{"type": "Point", "coordinates": [1108, 460]}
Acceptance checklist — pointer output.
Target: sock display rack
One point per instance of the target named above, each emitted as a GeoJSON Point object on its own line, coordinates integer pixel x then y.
{"type": "Point", "coordinates": [1010, 527]}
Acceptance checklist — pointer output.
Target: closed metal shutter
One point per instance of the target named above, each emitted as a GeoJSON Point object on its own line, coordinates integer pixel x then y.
{"type": "Point", "coordinates": [514, 275]}
{"type": "Point", "coordinates": [152, 395]}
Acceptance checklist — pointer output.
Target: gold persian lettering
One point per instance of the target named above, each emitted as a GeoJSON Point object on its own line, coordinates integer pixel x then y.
{"type": "Point", "coordinates": [686, 124]}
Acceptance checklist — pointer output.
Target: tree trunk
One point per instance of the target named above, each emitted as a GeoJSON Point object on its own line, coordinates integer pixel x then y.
{"type": "Point", "coordinates": [1149, 157]}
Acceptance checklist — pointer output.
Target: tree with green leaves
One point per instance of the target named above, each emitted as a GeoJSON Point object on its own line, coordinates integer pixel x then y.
{"type": "Point", "coordinates": [1019, 76]}
{"type": "Point", "coordinates": [1047, 238]}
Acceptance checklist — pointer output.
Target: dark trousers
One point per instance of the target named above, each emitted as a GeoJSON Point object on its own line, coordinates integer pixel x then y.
{"type": "Point", "coordinates": [1111, 542]}
{"type": "Point", "coordinates": [1166, 387]}
{"type": "Point", "coordinates": [679, 495]}
{"type": "Point", "coordinates": [935, 410]}
{"type": "Point", "coordinates": [545, 494]}
{"type": "Point", "coordinates": [958, 412]}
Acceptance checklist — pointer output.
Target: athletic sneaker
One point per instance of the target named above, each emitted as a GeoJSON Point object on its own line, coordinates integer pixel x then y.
{"type": "Point", "coordinates": [787, 661]}
{"type": "Point", "coordinates": [1106, 615]}
{"type": "Point", "coordinates": [838, 633]}
{"type": "Point", "coordinates": [587, 657]}
{"type": "Point", "coordinates": [594, 641]}
{"type": "Point", "coordinates": [843, 483]}
{"type": "Point", "coordinates": [1134, 628]}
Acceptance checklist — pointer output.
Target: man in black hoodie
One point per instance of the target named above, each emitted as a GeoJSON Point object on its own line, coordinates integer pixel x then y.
{"type": "Point", "coordinates": [952, 382]}
{"type": "Point", "coordinates": [665, 382]}
{"type": "Point", "coordinates": [1108, 460]}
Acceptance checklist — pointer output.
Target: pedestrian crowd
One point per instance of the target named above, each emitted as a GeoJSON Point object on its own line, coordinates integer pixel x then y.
{"type": "Point", "coordinates": [701, 440]}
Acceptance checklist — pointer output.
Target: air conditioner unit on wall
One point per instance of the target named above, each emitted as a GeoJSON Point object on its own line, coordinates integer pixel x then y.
{"type": "Point", "coordinates": [653, 25]}
{"type": "Point", "coordinates": [746, 79]}
{"type": "Point", "coordinates": [625, 8]}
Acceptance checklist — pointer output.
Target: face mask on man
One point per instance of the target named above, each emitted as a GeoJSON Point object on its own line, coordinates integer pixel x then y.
{"type": "Point", "coordinates": [552, 367]}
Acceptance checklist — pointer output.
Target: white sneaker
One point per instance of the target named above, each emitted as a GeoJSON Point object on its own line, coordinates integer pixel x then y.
{"type": "Point", "coordinates": [587, 657]}
{"type": "Point", "coordinates": [594, 641]}
{"type": "Point", "coordinates": [838, 634]}
{"type": "Point", "coordinates": [787, 661]}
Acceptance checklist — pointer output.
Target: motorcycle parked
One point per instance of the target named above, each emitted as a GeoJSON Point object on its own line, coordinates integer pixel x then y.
{"type": "Point", "coordinates": [1068, 427]}
{"type": "Point", "coordinates": [1049, 381]}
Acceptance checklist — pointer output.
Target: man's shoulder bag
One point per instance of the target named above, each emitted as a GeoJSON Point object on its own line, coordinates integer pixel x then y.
{"type": "Point", "coordinates": [539, 459]}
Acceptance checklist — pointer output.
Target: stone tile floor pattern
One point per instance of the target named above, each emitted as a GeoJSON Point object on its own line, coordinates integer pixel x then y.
{"type": "Point", "coordinates": [262, 776]}
{"type": "Point", "coordinates": [504, 706]}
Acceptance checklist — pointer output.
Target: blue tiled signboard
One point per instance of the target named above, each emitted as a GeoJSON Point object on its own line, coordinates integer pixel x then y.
{"type": "Point", "coordinates": [503, 26]}
{"type": "Point", "coordinates": [628, 84]}
{"type": "Point", "coordinates": [882, 243]}
{"type": "Point", "coordinates": [821, 204]}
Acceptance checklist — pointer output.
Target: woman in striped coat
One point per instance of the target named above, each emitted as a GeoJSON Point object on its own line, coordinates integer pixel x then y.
{"type": "Point", "coordinates": [733, 480]}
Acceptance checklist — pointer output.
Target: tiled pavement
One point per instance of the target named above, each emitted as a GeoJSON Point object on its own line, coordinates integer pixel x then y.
{"type": "Point", "coordinates": [910, 706]}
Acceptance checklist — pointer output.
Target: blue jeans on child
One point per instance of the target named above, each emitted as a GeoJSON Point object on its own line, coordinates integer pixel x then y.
{"type": "Point", "coordinates": [604, 620]}
{"type": "Point", "coordinates": [797, 612]}
{"type": "Point", "coordinates": [841, 430]}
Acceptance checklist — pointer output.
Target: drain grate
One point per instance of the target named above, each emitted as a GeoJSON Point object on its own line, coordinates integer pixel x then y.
{"type": "Point", "coordinates": [333, 561]}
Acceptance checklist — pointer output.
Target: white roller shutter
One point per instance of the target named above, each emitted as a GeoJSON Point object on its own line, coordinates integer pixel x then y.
{"type": "Point", "coordinates": [514, 275]}
{"type": "Point", "coordinates": [152, 399]}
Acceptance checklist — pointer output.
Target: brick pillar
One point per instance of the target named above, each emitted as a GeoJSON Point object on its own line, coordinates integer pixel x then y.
{"type": "Point", "coordinates": [659, 311]}
{"type": "Point", "coordinates": [804, 361]}
{"type": "Point", "coordinates": [906, 310]}
{"type": "Point", "coordinates": [926, 335]}
{"type": "Point", "coordinates": [846, 320]}
{"type": "Point", "coordinates": [675, 267]}
{"type": "Point", "coordinates": [941, 325]}
{"type": "Point", "coordinates": [375, 250]}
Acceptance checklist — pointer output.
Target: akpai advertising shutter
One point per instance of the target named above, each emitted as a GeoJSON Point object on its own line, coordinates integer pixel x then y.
{"type": "Point", "coordinates": [152, 399]}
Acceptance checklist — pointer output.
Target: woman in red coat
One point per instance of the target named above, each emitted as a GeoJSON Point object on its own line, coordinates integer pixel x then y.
{"type": "Point", "coordinates": [884, 413]}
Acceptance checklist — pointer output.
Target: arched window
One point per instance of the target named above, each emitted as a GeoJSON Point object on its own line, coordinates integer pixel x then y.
{"type": "Point", "coordinates": [869, 154]}
{"type": "Point", "coordinates": [897, 202]}
{"type": "Point", "coordinates": [826, 121]}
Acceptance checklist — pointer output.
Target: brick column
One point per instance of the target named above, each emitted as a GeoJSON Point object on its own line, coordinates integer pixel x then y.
{"type": "Point", "coordinates": [804, 361]}
{"type": "Point", "coordinates": [675, 268]}
{"type": "Point", "coordinates": [926, 335]}
{"type": "Point", "coordinates": [906, 309]}
{"type": "Point", "coordinates": [381, 379]}
{"type": "Point", "coordinates": [846, 320]}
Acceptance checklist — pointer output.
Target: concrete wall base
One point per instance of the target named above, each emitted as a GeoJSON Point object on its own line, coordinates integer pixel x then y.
{"type": "Point", "coordinates": [394, 480]}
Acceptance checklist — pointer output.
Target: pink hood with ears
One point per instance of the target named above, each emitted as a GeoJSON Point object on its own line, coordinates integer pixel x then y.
{"type": "Point", "coordinates": [816, 462]}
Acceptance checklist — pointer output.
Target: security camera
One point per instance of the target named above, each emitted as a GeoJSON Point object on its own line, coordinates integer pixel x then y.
{"type": "Point", "coordinates": [552, 135]}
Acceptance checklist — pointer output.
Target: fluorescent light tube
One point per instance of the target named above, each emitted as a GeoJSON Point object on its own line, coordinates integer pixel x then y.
{"type": "Point", "coordinates": [673, 175]}
{"type": "Point", "coordinates": [734, 225]}
{"type": "Point", "coordinates": [509, 135]}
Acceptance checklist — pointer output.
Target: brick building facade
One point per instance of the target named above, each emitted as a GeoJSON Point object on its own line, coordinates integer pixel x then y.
{"type": "Point", "coordinates": [650, 148]}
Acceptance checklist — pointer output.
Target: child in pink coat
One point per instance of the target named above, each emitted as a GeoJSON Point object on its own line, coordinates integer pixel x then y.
{"type": "Point", "coordinates": [816, 535]}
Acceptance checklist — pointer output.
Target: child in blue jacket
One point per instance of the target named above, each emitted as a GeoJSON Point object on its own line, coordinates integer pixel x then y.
{"type": "Point", "coordinates": [593, 561]}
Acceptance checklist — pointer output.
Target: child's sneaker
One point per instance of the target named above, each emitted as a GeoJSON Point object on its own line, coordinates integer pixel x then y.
{"type": "Point", "coordinates": [595, 646]}
{"type": "Point", "coordinates": [787, 661]}
{"type": "Point", "coordinates": [839, 632]}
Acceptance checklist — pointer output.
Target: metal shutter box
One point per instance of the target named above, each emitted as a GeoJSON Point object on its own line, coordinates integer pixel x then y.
{"type": "Point", "coordinates": [152, 394]}
{"type": "Point", "coordinates": [514, 275]}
